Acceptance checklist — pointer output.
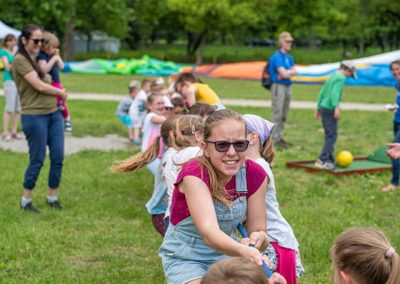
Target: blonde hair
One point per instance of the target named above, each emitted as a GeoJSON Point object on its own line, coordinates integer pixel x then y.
{"type": "Point", "coordinates": [218, 191]}
{"type": "Point", "coordinates": [185, 128]}
{"type": "Point", "coordinates": [267, 150]}
{"type": "Point", "coordinates": [166, 128]}
{"type": "Point", "coordinates": [366, 254]}
{"type": "Point", "coordinates": [235, 270]}
{"type": "Point", "coordinates": [50, 40]}
{"type": "Point", "coordinates": [141, 159]}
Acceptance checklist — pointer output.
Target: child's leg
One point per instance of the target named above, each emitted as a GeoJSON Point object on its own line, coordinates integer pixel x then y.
{"type": "Point", "coordinates": [136, 133]}
{"type": "Point", "coordinates": [396, 162]}
{"type": "Point", "coordinates": [63, 108]}
{"type": "Point", "coordinates": [286, 263]}
{"type": "Point", "coordinates": [330, 129]}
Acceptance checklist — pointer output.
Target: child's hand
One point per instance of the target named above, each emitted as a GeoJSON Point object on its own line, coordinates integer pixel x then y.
{"type": "Point", "coordinates": [253, 254]}
{"type": "Point", "coordinates": [56, 52]}
{"type": "Point", "coordinates": [259, 240]}
{"type": "Point", "coordinates": [317, 114]}
{"type": "Point", "coordinates": [277, 278]}
{"type": "Point", "coordinates": [63, 94]}
{"type": "Point", "coordinates": [337, 113]}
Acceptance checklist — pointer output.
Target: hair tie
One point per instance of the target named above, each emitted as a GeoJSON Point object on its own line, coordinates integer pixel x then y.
{"type": "Point", "coordinates": [389, 253]}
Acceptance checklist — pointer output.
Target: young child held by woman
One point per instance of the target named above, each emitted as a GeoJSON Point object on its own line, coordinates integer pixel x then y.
{"type": "Point", "coordinates": [50, 62]}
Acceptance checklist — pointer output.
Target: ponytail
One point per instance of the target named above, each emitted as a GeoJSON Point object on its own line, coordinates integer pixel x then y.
{"type": "Point", "coordinates": [268, 150]}
{"type": "Point", "coordinates": [26, 33]}
{"type": "Point", "coordinates": [139, 160]}
{"type": "Point", "coordinates": [367, 255]}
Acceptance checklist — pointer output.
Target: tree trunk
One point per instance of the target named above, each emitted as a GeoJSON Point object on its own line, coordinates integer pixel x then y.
{"type": "Point", "coordinates": [189, 43]}
{"type": "Point", "coordinates": [88, 41]}
{"type": "Point", "coordinates": [361, 46]}
{"type": "Point", "coordinates": [200, 52]}
{"type": "Point", "coordinates": [343, 43]}
{"type": "Point", "coordinates": [68, 42]}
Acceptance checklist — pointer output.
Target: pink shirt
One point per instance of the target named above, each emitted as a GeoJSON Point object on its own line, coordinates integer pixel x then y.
{"type": "Point", "coordinates": [179, 208]}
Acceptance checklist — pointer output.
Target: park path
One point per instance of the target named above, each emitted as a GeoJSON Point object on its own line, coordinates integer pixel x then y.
{"type": "Point", "coordinates": [241, 102]}
{"type": "Point", "coordinates": [236, 102]}
{"type": "Point", "coordinates": [114, 142]}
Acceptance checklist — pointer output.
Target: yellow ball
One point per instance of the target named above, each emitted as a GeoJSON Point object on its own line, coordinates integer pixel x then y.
{"type": "Point", "coordinates": [344, 159]}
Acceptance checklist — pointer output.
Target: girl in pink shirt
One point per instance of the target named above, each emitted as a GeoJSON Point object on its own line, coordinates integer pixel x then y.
{"type": "Point", "coordinates": [212, 195]}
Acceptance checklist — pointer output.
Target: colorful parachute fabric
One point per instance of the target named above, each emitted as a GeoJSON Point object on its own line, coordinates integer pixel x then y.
{"type": "Point", "coordinates": [371, 71]}
{"type": "Point", "coordinates": [142, 66]}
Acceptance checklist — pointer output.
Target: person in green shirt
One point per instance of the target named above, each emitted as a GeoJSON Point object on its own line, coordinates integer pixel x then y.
{"type": "Point", "coordinates": [41, 120]}
{"type": "Point", "coordinates": [12, 103]}
{"type": "Point", "coordinates": [329, 112]}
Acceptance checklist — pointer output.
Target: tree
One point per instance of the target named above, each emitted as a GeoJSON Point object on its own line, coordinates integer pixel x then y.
{"type": "Point", "coordinates": [63, 16]}
{"type": "Point", "coordinates": [200, 18]}
{"type": "Point", "coordinates": [110, 16]}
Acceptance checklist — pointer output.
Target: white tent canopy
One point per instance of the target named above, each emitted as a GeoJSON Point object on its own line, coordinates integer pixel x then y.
{"type": "Point", "coordinates": [5, 30]}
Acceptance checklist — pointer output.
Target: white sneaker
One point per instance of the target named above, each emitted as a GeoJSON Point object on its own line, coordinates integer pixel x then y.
{"type": "Point", "coordinates": [324, 165]}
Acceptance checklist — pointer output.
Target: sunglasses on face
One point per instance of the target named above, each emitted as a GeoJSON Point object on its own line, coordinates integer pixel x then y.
{"type": "Point", "coordinates": [36, 41]}
{"type": "Point", "coordinates": [223, 146]}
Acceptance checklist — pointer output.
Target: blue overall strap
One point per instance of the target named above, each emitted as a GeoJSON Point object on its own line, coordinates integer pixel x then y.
{"type": "Point", "coordinates": [241, 182]}
{"type": "Point", "coordinates": [244, 234]}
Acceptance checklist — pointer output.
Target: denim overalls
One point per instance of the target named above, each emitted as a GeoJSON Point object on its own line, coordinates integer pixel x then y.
{"type": "Point", "coordinates": [185, 257]}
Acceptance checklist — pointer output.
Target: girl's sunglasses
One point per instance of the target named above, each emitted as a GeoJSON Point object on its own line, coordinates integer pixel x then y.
{"type": "Point", "coordinates": [223, 146]}
{"type": "Point", "coordinates": [36, 41]}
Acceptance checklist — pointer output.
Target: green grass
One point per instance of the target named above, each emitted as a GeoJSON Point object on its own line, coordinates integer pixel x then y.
{"type": "Point", "coordinates": [105, 234]}
{"type": "Point", "coordinates": [226, 88]}
{"type": "Point", "coordinates": [218, 53]}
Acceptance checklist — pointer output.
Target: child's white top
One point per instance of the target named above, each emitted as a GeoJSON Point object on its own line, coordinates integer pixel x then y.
{"type": "Point", "coordinates": [138, 105]}
{"type": "Point", "coordinates": [278, 229]}
{"type": "Point", "coordinates": [173, 166]}
{"type": "Point", "coordinates": [151, 131]}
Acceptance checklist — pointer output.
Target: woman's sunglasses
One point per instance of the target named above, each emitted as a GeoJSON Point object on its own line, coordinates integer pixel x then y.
{"type": "Point", "coordinates": [223, 146]}
{"type": "Point", "coordinates": [36, 41]}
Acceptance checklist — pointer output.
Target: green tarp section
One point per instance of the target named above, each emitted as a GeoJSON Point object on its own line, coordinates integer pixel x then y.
{"type": "Point", "coordinates": [143, 66]}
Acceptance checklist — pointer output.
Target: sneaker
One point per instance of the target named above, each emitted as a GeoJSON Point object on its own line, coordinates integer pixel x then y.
{"type": "Point", "coordinates": [136, 142]}
{"type": "Point", "coordinates": [68, 126]}
{"type": "Point", "coordinates": [319, 164]}
{"type": "Point", "coordinates": [281, 144]}
{"type": "Point", "coordinates": [329, 166]}
{"type": "Point", "coordinates": [55, 204]}
{"type": "Point", "coordinates": [287, 143]}
{"type": "Point", "coordinates": [324, 165]}
{"type": "Point", "coordinates": [389, 187]}
{"type": "Point", "coordinates": [29, 207]}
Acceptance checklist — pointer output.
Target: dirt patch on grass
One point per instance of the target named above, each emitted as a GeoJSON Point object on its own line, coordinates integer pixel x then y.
{"type": "Point", "coordinates": [75, 144]}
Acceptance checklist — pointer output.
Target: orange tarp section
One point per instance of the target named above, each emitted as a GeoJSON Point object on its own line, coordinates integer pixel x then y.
{"type": "Point", "coordinates": [244, 70]}
{"type": "Point", "coordinates": [241, 70]}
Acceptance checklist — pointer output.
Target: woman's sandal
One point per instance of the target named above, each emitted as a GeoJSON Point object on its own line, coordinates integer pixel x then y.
{"type": "Point", "coordinates": [16, 136]}
{"type": "Point", "coordinates": [6, 137]}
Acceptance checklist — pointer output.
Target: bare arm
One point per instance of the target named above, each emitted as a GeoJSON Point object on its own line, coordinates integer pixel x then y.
{"type": "Point", "coordinates": [157, 119]}
{"type": "Point", "coordinates": [257, 217]}
{"type": "Point", "coordinates": [286, 74]}
{"type": "Point", "coordinates": [46, 66]}
{"type": "Point", "coordinates": [60, 62]}
{"type": "Point", "coordinates": [191, 95]}
{"type": "Point", "coordinates": [6, 64]}
{"type": "Point", "coordinates": [33, 79]}
{"type": "Point", "coordinates": [202, 210]}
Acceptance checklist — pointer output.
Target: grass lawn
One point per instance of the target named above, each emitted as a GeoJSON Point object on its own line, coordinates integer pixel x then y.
{"type": "Point", "coordinates": [105, 234]}
{"type": "Point", "coordinates": [225, 88]}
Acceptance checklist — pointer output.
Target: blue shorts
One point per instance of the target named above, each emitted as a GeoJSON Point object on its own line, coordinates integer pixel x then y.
{"type": "Point", "coordinates": [126, 120]}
